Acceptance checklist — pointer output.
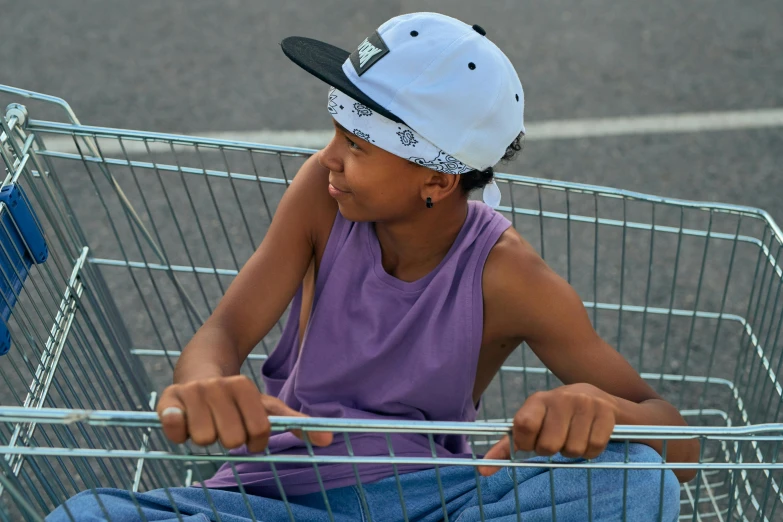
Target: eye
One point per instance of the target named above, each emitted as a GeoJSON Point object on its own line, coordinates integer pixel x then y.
{"type": "Point", "coordinates": [351, 144]}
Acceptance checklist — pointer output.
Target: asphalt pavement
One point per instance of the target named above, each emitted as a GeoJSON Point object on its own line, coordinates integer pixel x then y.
{"type": "Point", "coordinates": [198, 67]}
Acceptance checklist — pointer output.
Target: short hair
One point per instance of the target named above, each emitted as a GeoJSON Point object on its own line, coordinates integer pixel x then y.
{"type": "Point", "coordinates": [476, 179]}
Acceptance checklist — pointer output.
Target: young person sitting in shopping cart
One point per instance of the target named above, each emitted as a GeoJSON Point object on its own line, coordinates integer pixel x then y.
{"type": "Point", "coordinates": [407, 299]}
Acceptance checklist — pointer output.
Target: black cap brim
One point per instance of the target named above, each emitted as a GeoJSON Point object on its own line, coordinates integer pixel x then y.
{"type": "Point", "coordinates": [325, 62]}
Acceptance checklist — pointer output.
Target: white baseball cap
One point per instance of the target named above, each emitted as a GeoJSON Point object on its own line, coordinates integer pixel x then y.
{"type": "Point", "coordinates": [439, 76]}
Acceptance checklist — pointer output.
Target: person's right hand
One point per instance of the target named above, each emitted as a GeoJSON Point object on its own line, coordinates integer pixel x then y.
{"type": "Point", "coordinates": [229, 409]}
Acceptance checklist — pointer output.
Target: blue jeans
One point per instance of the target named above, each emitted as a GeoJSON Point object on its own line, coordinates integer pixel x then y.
{"type": "Point", "coordinates": [537, 491]}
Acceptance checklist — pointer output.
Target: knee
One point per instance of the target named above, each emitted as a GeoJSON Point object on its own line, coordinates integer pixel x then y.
{"type": "Point", "coordinates": [86, 506]}
{"type": "Point", "coordinates": [654, 485]}
{"type": "Point", "coordinates": [652, 490]}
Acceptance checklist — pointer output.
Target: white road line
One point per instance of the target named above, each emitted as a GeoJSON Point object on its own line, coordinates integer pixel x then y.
{"type": "Point", "coordinates": [544, 130]}
{"type": "Point", "coordinates": [656, 124]}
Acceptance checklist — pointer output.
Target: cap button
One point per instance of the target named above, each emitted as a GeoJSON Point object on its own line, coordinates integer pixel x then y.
{"type": "Point", "coordinates": [480, 30]}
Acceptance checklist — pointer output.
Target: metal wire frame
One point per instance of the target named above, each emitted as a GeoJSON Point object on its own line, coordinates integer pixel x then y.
{"type": "Point", "coordinates": [718, 490]}
{"type": "Point", "coordinates": [687, 291]}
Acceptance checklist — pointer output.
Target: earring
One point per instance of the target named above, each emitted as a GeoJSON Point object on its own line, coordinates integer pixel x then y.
{"type": "Point", "coordinates": [429, 202]}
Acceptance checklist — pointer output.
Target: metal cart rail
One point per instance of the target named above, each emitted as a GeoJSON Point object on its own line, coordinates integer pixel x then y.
{"type": "Point", "coordinates": [144, 231]}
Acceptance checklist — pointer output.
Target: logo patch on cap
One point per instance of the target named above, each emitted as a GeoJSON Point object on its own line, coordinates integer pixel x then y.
{"type": "Point", "coordinates": [372, 49]}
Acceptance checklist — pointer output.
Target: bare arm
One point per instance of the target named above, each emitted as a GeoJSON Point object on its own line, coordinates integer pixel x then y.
{"type": "Point", "coordinates": [540, 307]}
{"type": "Point", "coordinates": [258, 296]}
{"type": "Point", "coordinates": [209, 399]}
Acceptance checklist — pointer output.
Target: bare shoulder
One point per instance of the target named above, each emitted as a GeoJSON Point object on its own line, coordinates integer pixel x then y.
{"type": "Point", "coordinates": [514, 279]}
{"type": "Point", "coordinates": [311, 201]}
{"type": "Point", "coordinates": [511, 258]}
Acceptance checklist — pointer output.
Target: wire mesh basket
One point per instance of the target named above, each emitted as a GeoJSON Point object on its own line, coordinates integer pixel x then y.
{"type": "Point", "coordinates": [143, 232]}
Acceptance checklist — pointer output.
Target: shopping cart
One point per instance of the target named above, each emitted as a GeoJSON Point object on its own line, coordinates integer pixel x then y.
{"type": "Point", "coordinates": [142, 232]}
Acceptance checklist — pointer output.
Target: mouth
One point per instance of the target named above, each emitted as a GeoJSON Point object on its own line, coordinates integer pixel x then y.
{"type": "Point", "coordinates": [332, 186]}
{"type": "Point", "coordinates": [336, 192]}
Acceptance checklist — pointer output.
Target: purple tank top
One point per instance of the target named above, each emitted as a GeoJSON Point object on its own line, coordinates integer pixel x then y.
{"type": "Point", "coordinates": [377, 347]}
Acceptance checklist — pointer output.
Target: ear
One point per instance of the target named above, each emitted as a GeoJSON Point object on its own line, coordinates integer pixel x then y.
{"type": "Point", "coordinates": [439, 186]}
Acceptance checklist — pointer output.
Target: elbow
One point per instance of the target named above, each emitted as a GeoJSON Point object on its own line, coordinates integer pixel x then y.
{"type": "Point", "coordinates": [691, 450]}
{"type": "Point", "coordinates": [685, 475]}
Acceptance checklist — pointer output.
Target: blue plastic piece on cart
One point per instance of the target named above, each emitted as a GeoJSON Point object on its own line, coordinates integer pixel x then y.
{"type": "Point", "coordinates": [21, 245]}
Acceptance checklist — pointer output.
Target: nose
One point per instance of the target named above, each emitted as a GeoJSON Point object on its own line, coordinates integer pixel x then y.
{"type": "Point", "coordinates": [329, 158]}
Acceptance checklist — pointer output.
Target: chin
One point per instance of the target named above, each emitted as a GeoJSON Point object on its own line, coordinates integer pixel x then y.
{"type": "Point", "coordinates": [351, 214]}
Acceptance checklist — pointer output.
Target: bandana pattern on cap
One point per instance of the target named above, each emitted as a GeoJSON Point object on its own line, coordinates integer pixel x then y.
{"type": "Point", "coordinates": [398, 139]}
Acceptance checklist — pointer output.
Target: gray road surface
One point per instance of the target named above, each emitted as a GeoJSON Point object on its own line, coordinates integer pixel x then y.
{"type": "Point", "coordinates": [199, 66]}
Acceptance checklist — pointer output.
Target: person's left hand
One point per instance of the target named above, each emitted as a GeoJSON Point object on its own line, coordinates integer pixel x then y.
{"type": "Point", "coordinates": [575, 420]}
